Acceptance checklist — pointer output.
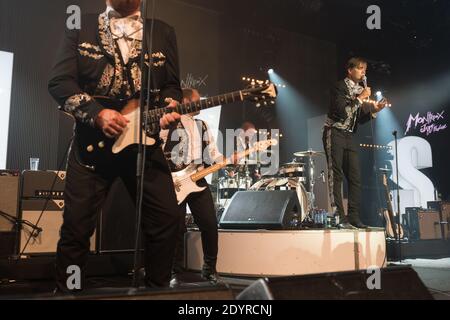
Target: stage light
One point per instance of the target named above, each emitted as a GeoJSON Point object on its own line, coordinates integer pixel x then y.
{"type": "Point", "coordinates": [270, 71]}
{"type": "Point", "coordinates": [379, 94]}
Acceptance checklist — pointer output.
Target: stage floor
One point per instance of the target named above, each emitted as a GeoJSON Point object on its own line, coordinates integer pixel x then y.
{"type": "Point", "coordinates": [256, 253]}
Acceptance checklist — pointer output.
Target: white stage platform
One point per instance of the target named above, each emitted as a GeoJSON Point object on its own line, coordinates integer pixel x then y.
{"type": "Point", "coordinates": [290, 252]}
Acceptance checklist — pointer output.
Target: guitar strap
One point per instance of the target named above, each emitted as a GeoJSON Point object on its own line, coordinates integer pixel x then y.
{"type": "Point", "coordinates": [205, 142]}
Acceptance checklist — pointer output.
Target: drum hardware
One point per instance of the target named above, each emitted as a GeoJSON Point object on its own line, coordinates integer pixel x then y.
{"type": "Point", "coordinates": [237, 178]}
{"type": "Point", "coordinates": [310, 154]}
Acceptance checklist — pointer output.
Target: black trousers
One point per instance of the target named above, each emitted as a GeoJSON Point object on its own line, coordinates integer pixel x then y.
{"type": "Point", "coordinates": [204, 213]}
{"type": "Point", "coordinates": [85, 192]}
{"type": "Point", "coordinates": [342, 157]}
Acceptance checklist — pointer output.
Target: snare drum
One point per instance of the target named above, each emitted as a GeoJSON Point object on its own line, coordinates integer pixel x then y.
{"type": "Point", "coordinates": [262, 184]}
{"type": "Point", "coordinates": [292, 169]}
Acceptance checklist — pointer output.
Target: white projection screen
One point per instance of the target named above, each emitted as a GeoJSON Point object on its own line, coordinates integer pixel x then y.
{"type": "Point", "coordinates": [6, 69]}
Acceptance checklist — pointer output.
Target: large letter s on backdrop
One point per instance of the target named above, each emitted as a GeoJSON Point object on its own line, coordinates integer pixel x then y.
{"type": "Point", "coordinates": [413, 153]}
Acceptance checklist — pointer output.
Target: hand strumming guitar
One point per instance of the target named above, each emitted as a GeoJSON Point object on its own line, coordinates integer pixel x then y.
{"type": "Point", "coordinates": [111, 122]}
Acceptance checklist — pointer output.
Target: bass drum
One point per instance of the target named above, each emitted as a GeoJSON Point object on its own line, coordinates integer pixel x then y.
{"type": "Point", "coordinates": [270, 184]}
{"type": "Point", "coordinates": [262, 184]}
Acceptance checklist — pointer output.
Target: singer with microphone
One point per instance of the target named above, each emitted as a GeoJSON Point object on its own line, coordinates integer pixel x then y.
{"type": "Point", "coordinates": [349, 107]}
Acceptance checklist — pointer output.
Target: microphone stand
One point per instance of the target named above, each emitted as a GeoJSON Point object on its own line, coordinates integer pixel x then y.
{"type": "Point", "coordinates": [394, 133]}
{"type": "Point", "coordinates": [18, 223]}
{"type": "Point", "coordinates": [144, 101]}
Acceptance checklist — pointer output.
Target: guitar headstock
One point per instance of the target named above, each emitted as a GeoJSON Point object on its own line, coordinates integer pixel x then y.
{"type": "Point", "coordinates": [263, 94]}
{"type": "Point", "coordinates": [265, 144]}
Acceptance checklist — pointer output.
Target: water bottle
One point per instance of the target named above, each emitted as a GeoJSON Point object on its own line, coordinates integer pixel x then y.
{"type": "Point", "coordinates": [316, 217]}
{"type": "Point", "coordinates": [294, 221]}
{"type": "Point", "coordinates": [325, 218]}
{"type": "Point", "coordinates": [329, 221]}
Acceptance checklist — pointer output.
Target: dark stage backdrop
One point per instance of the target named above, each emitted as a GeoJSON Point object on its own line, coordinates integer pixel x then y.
{"type": "Point", "coordinates": [215, 52]}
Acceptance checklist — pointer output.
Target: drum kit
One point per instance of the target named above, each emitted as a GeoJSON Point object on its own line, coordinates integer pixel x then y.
{"type": "Point", "coordinates": [296, 175]}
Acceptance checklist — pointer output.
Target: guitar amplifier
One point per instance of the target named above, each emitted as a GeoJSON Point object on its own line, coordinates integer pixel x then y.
{"type": "Point", "coordinates": [43, 235]}
{"type": "Point", "coordinates": [423, 224]}
{"type": "Point", "coordinates": [444, 209]}
{"type": "Point", "coordinates": [9, 199]}
{"type": "Point", "coordinates": [43, 184]}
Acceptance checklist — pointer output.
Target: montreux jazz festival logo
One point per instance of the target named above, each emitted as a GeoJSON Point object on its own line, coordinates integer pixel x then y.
{"type": "Point", "coordinates": [428, 124]}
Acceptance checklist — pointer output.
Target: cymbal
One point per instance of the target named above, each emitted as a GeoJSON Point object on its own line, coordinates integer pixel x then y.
{"type": "Point", "coordinates": [309, 153]}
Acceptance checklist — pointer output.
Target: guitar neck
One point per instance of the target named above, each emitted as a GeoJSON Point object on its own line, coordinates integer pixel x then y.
{"type": "Point", "coordinates": [203, 173]}
{"type": "Point", "coordinates": [388, 198]}
{"type": "Point", "coordinates": [186, 108]}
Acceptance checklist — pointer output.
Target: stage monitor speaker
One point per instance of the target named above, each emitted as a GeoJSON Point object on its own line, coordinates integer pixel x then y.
{"type": "Point", "coordinates": [395, 283]}
{"type": "Point", "coordinates": [261, 210]}
{"type": "Point", "coordinates": [9, 199]}
{"type": "Point", "coordinates": [117, 220]}
{"type": "Point", "coordinates": [45, 239]}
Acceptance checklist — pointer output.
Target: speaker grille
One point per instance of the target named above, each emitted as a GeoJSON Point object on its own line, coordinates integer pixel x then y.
{"type": "Point", "coordinates": [395, 283]}
{"type": "Point", "coordinates": [9, 198]}
{"type": "Point", "coordinates": [261, 210]}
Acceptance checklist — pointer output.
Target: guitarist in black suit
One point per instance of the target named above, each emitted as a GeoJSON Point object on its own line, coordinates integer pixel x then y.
{"type": "Point", "coordinates": [186, 143]}
{"type": "Point", "coordinates": [348, 108]}
{"type": "Point", "coordinates": [102, 59]}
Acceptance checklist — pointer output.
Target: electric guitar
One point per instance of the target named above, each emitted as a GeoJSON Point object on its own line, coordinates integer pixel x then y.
{"type": "Point", "coordinates": [185, 180]}
{"type": "Point", "coordinates": [96, 148]}
{"type": "Point", "coordinates": [392, 228]}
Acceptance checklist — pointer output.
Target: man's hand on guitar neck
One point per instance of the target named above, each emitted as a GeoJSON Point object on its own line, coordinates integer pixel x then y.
{"type": "Point", "coordinates": [111, 122]}
{"type": "Point", "coordinates": [170, 118]}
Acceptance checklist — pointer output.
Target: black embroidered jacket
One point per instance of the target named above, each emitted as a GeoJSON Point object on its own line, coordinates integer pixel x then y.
{"type": "Point", "coordinates": [346, 111]}
{"type": "Point", "coordinates": [89, 62]}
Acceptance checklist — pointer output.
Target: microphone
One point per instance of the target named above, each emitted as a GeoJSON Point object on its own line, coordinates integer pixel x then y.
{"type": "Point", "coordinates": [364, 81]}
